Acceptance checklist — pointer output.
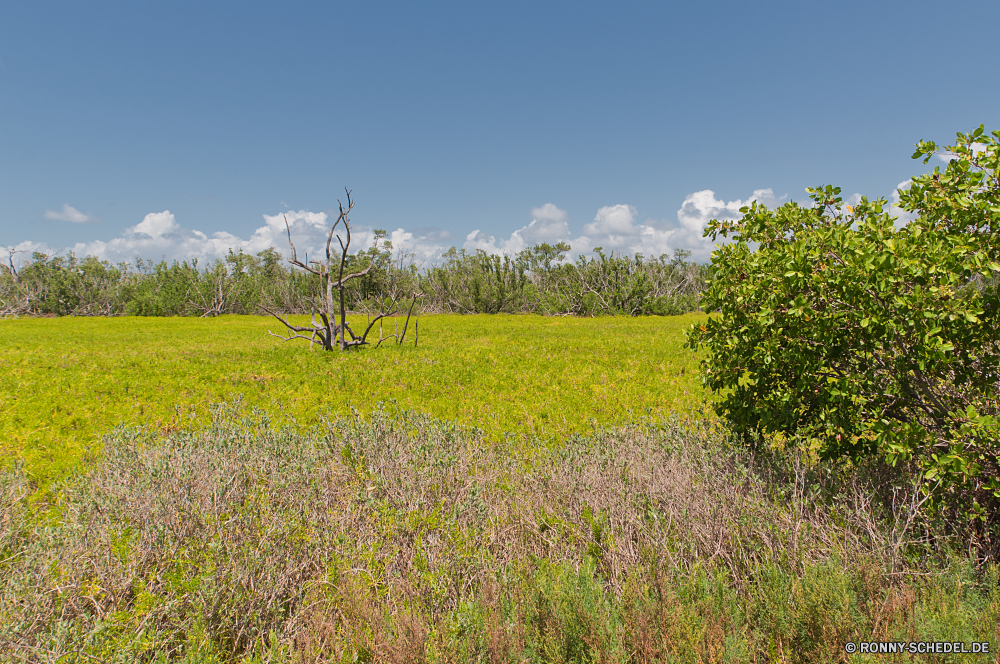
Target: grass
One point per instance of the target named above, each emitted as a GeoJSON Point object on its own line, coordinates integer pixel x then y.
{"type": "Point", "coordinates": [544, 490]}
{"type": "Point", "coordinates": [67, 381]}
{"type": "Point", "coordinates": [406, 539]}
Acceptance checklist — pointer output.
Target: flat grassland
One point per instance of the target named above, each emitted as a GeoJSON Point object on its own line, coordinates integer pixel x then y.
{"type": "Point", "coordinates": [213, 535]}
{"type": "Point", "coordinates": [67, 381]}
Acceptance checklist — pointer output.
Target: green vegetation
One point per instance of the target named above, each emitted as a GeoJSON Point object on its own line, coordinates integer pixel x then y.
{"type": "Point", "coordinates": [864, 338]}
{"type": "Point", "coordinates": [537, 280]}
{"type": "Point", "coordinates": [399, 538]}
{"type": "Point", "coordinates": [522, 488]}
{"type": "Point", "coordinates": [70, 380]}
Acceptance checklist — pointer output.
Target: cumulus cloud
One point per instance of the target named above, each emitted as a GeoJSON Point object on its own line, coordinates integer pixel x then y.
{"type": "Point", "coordinates": [701, 207]}
{"type": "Point", "coordinates": [156, 225]}
{"type": "Point", "coordinates": [612, 220]}
{"type": "Point", "coordinates": [157, 234]}
{"type": "Point", "coordinates": [549, 212]}
{"type": "Point", "coordinates": [71, 214]}
{"type": "Point", "coordinates": [160, 235]}
{"type": "Point", "coordinates": [616, 228]}
{"type": "Point", "coordinates": [477, 240]}
{"type": "Point", "coordinates": [424, 245]}
{"type": "Point", "coordinates": [548, 224]}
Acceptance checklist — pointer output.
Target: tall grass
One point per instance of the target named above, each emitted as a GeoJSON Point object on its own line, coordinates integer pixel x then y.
{"type": "Point", "coordinates": [402, 538]}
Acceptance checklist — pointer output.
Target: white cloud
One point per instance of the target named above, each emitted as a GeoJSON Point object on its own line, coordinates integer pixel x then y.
{"type": "Point", "coordinates": [478, 240]}
{"type": "Point", "coordinates": [701, 207]}
{"type": "Point", "coordinates": [902, 216]}
{"type": "Point", "coordinates": [548, 224]}
{"type": "Point", "coordinates": [425, 244]}
{"type": "Point", "coordinates": [308, 230]}
{"type": "Point", "coordinates": [549, 212]}
{"type": "Point", "coordinates": [71, 214]}
{"type": "Point", "coordinates": [537, 232]}
{"type": "Point", "coordinates": [612, 220]}
{"type": "Point", "coordinates": [160, 236]}
{"type": "Point", "coordinates": [615, 228]}
{"type": "Point", "coordinates": [155, 225]}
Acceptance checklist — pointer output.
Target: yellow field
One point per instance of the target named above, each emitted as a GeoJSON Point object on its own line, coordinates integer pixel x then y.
{"type": "Point", "coordinates": [68, 380]}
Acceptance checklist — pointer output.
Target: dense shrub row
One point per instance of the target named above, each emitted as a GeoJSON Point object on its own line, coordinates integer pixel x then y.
{"type": "Point", "coordinates": [537, 280]}
{"type": "Point", "coordinates": [405, 539]}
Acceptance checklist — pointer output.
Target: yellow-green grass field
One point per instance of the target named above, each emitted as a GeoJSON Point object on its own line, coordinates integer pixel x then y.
{"type": "Point", "coordinates": [67, 381]}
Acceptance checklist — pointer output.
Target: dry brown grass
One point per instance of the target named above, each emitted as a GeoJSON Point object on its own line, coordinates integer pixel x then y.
{"type": "Point", "coordinates": [404, 539]}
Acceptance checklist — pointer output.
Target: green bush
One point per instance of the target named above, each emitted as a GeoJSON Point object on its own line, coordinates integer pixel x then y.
{"type": "Point", "coordinates": [537, 280]}
{"type": "Point", "coordinates": [837, 326]}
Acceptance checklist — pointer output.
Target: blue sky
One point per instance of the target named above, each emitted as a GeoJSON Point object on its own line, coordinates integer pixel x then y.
{"type": "Point", "coordinates": [181, 129]}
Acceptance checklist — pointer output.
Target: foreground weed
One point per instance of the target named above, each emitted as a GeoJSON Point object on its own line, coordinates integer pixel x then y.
{"type": "Point", "coordinates": [401, 538]}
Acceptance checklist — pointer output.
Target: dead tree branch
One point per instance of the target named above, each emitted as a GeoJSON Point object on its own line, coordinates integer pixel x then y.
{"type": "Point", "coordinates": [332, 309]}
{"type": "Point", "coordinates": [15, 296]}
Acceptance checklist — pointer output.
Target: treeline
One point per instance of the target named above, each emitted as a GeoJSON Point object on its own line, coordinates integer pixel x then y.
{"type": "Point", "coordinates": [537, 280]}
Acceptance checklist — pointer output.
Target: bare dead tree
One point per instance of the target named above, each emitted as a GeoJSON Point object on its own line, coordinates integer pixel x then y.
{"type": "Point", "coordinates": [218, 301]}
{"type": "Point", "coordinates": [15, 297]}
{"type": "Point", "coordinates": [222, 292]}
{"type": "Point", "coordinates": [10, 267]}
{"type": "Point", "coordinates": [331, 307]}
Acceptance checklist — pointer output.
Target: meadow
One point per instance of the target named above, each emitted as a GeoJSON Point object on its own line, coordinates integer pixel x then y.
{"type": "Point", "coordinates": [70, 380]}
{"type": "Point", "coordinates": [512, 489]}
